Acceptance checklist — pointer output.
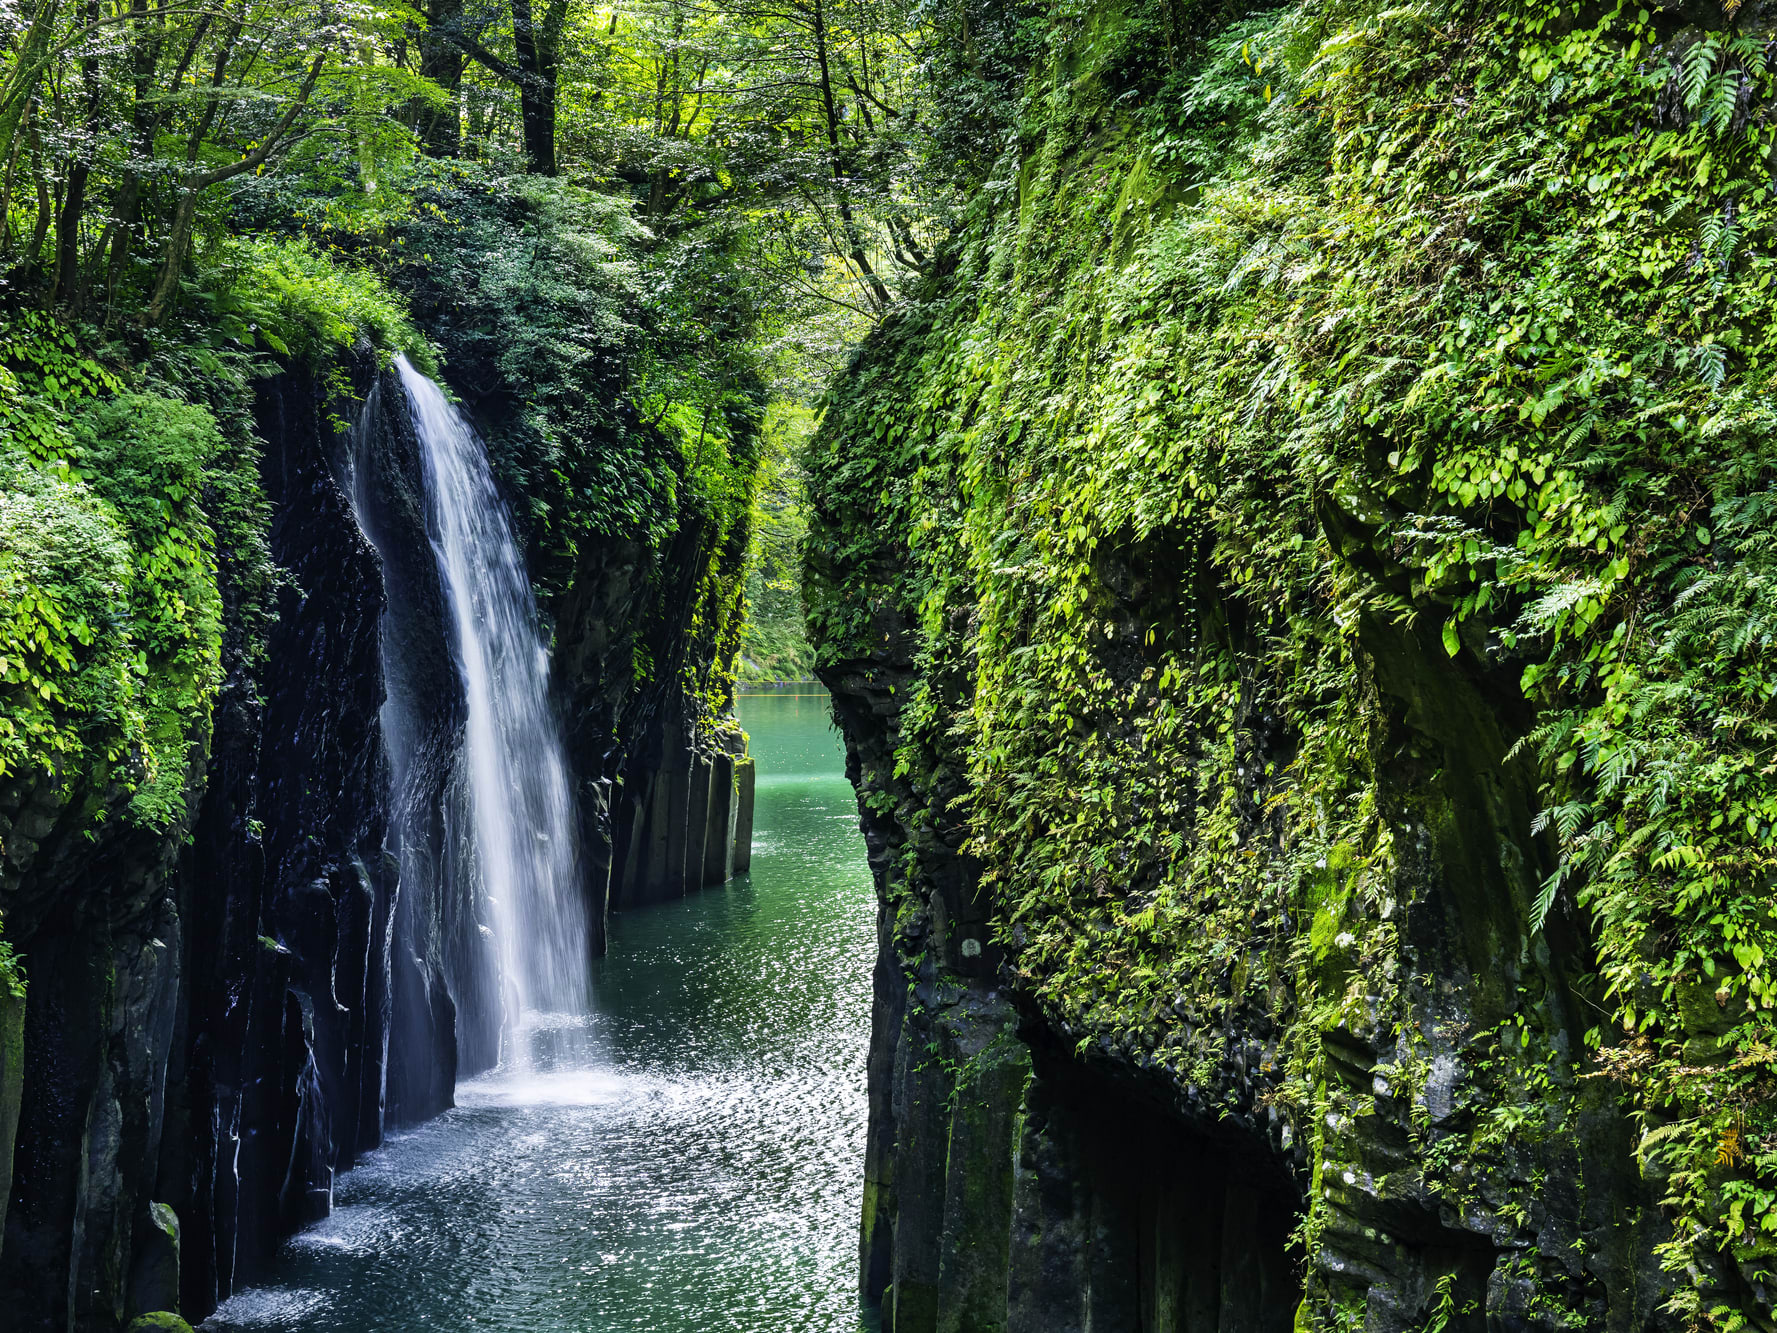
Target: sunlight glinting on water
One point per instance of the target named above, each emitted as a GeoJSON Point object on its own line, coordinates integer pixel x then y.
{"type": "Point", "coordinates": [690, 1158]}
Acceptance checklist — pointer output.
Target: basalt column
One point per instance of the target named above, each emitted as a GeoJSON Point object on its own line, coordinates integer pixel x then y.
{"type": "Point", "coordinates": [279, 1081]}
{"type": "Point", "coordinates": [683, 827]}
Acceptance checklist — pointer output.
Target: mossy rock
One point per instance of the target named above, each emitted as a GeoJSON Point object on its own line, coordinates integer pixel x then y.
{"type": "Point", "coordinates": [161, 1321]}
{"type": "Point", "coordinates": [1705, 1011]}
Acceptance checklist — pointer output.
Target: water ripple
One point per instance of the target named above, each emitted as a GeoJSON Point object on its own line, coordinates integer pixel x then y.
{"type": "Point", "coordinates": [691, 1160]}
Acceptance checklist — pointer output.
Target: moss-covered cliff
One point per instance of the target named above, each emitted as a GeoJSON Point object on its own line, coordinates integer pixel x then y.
{"type": "Point", "coordinates": [1296, 588]}
{"type": "Point", "coordinates": [235, 946]}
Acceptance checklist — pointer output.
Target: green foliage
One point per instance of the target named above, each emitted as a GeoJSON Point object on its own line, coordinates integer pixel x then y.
{"type": "Point", "coordinates": [285, 294]}
{"type": "Point", "coordinates": [148, 458]}
{"type": "Point", "coordinates": [111, 634]}
{"type": "Point", "coordinates": [530, 287]}
{"type": "Point", "coordinates": [801, 127]}
{"type": "Point", "coordinates": [12, 971]}
{"type": "Point", "coordinates": [130, 142]}
{"type": "Point", "coordinates": [774, 644]}
{"type": "Point", "coordinates": [1361, 323]}
{"type": "Point", "coordinates": [64, 560]}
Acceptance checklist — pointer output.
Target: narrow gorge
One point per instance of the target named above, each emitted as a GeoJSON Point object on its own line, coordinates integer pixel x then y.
{"type": "Point", "coordinates": [888, 666]}
{"type": "Point", "coordinates": [384, 885]}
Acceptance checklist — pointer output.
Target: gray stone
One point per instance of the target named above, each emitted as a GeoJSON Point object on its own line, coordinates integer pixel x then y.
{"type": "Point", "coordinates": [154, 1269]}
{"type": "Point", "coordinates": [718, 843]}
{"type": "Point", "coordinates": [743, 816]}
{"type": "Point", "coordinates": [697, 822]}
{"type": "Point", "coordinates": [671, 838]}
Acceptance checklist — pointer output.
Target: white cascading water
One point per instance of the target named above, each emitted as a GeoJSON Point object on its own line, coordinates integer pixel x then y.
{"type": "Point", "coordinates": [518, 773]}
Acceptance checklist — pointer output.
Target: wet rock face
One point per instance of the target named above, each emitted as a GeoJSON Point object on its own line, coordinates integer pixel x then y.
{"type": "Point", "coordinates": [444, 1017]}
{"type": "Point", "coordinates": [665, 809]}
{"type": "Point", "coordinates": [1124, 1218]}
{"type": "Point", "coordinates": [287, 1004]}
{"type": "Point", "coordinates": [104, 946]}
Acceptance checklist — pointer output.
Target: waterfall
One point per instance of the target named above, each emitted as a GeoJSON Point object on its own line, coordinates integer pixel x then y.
{"type": "Point", "coordinates": [521, 809]}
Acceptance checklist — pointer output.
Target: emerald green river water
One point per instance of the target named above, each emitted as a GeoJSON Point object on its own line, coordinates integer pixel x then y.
{"type": "Point", "coordinates": [700, 1170]}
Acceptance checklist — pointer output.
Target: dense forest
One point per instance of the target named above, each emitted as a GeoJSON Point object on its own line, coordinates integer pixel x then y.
{"type": "Point", "coordinates": [1280, 495]}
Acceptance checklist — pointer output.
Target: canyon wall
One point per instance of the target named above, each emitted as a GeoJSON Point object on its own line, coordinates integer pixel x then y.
{"type": "Point", "coordinates": [1264, 668]}
{"type": "Point", "coordinates": [224, 1013]}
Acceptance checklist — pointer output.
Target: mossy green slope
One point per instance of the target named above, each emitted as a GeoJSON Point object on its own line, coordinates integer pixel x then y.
{"type": "Point", "coordinates": [1332, 475]}
{"type": "Point", "coordinates": [130, 500]}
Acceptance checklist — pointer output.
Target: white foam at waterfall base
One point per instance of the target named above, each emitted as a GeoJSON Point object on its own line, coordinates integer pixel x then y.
{"type": "Point", "coordinates": [268, 1307]}
{"type": "Point", "coordinates": [518, 774]}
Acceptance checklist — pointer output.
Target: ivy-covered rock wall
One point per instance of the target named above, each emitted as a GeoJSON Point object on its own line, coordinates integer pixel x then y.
{"type": "Point", "coordinates": [1295, 584]}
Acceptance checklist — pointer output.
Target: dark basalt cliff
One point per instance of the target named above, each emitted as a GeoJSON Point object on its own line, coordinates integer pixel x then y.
{"type": "Point", "coordinates": [224, 1016]}
{"type": "Point", "coordinates": [205, 1015]}
{"type": "Point", "coordinates": [1294, 912]}
{"type": "Point", "coordinates": [667, 799]}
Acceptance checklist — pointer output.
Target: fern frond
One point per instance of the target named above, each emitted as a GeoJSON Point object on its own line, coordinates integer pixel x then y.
{"type": "Point", "coordinates": [1545, 902]}
{"type": "Point", "coordinates": [1698, 65]}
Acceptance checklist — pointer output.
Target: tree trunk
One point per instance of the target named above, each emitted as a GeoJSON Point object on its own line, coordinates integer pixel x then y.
{"type": "Point", "coordinates": [20, 90]}
{"type": "Point", "coordinates": [177, 239]}
{"type": "Point", "coordinates": [440, 129]}
{"type": "Point", "coordinates": [537, 49]}
{"type": "Point", "coordinates": [39, 233]}
{"type": "Point", "coordinates": [854, 238]}
{"type": "Point", "coordinates": [65, 283]}
{"type": "Point", "coordinates": [537, 109]}
{"type": "Point", "coordinates": [197, 182]}
{"type": "Point", "coordinates": [65, 280]}
{"type": "Point", "coordinates": [128, 207]}
{"type": "Point", "coordinates": [12, 159]}
{"type": "Point", "coordinates": [537, 62]}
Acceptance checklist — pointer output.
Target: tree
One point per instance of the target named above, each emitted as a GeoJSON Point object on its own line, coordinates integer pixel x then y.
{"type": "Point", "coordinates": [797, 117]}
{"type": "Point", "coordinates": [533, 67]}
{"type": "Point", "coordinates": [793, 132]}
{"type": "Point", "coordinates": [133, 117]}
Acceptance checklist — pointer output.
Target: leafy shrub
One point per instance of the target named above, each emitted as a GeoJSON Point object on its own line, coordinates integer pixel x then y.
{"type": "Point", "coordinates": [65, 576]}
{"type": "Point", "coordinates": [12, 971]}
{"type": "Point", "coordinates": [284, 293]}
{"type": "Point", "coordinates": [110, 614]}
